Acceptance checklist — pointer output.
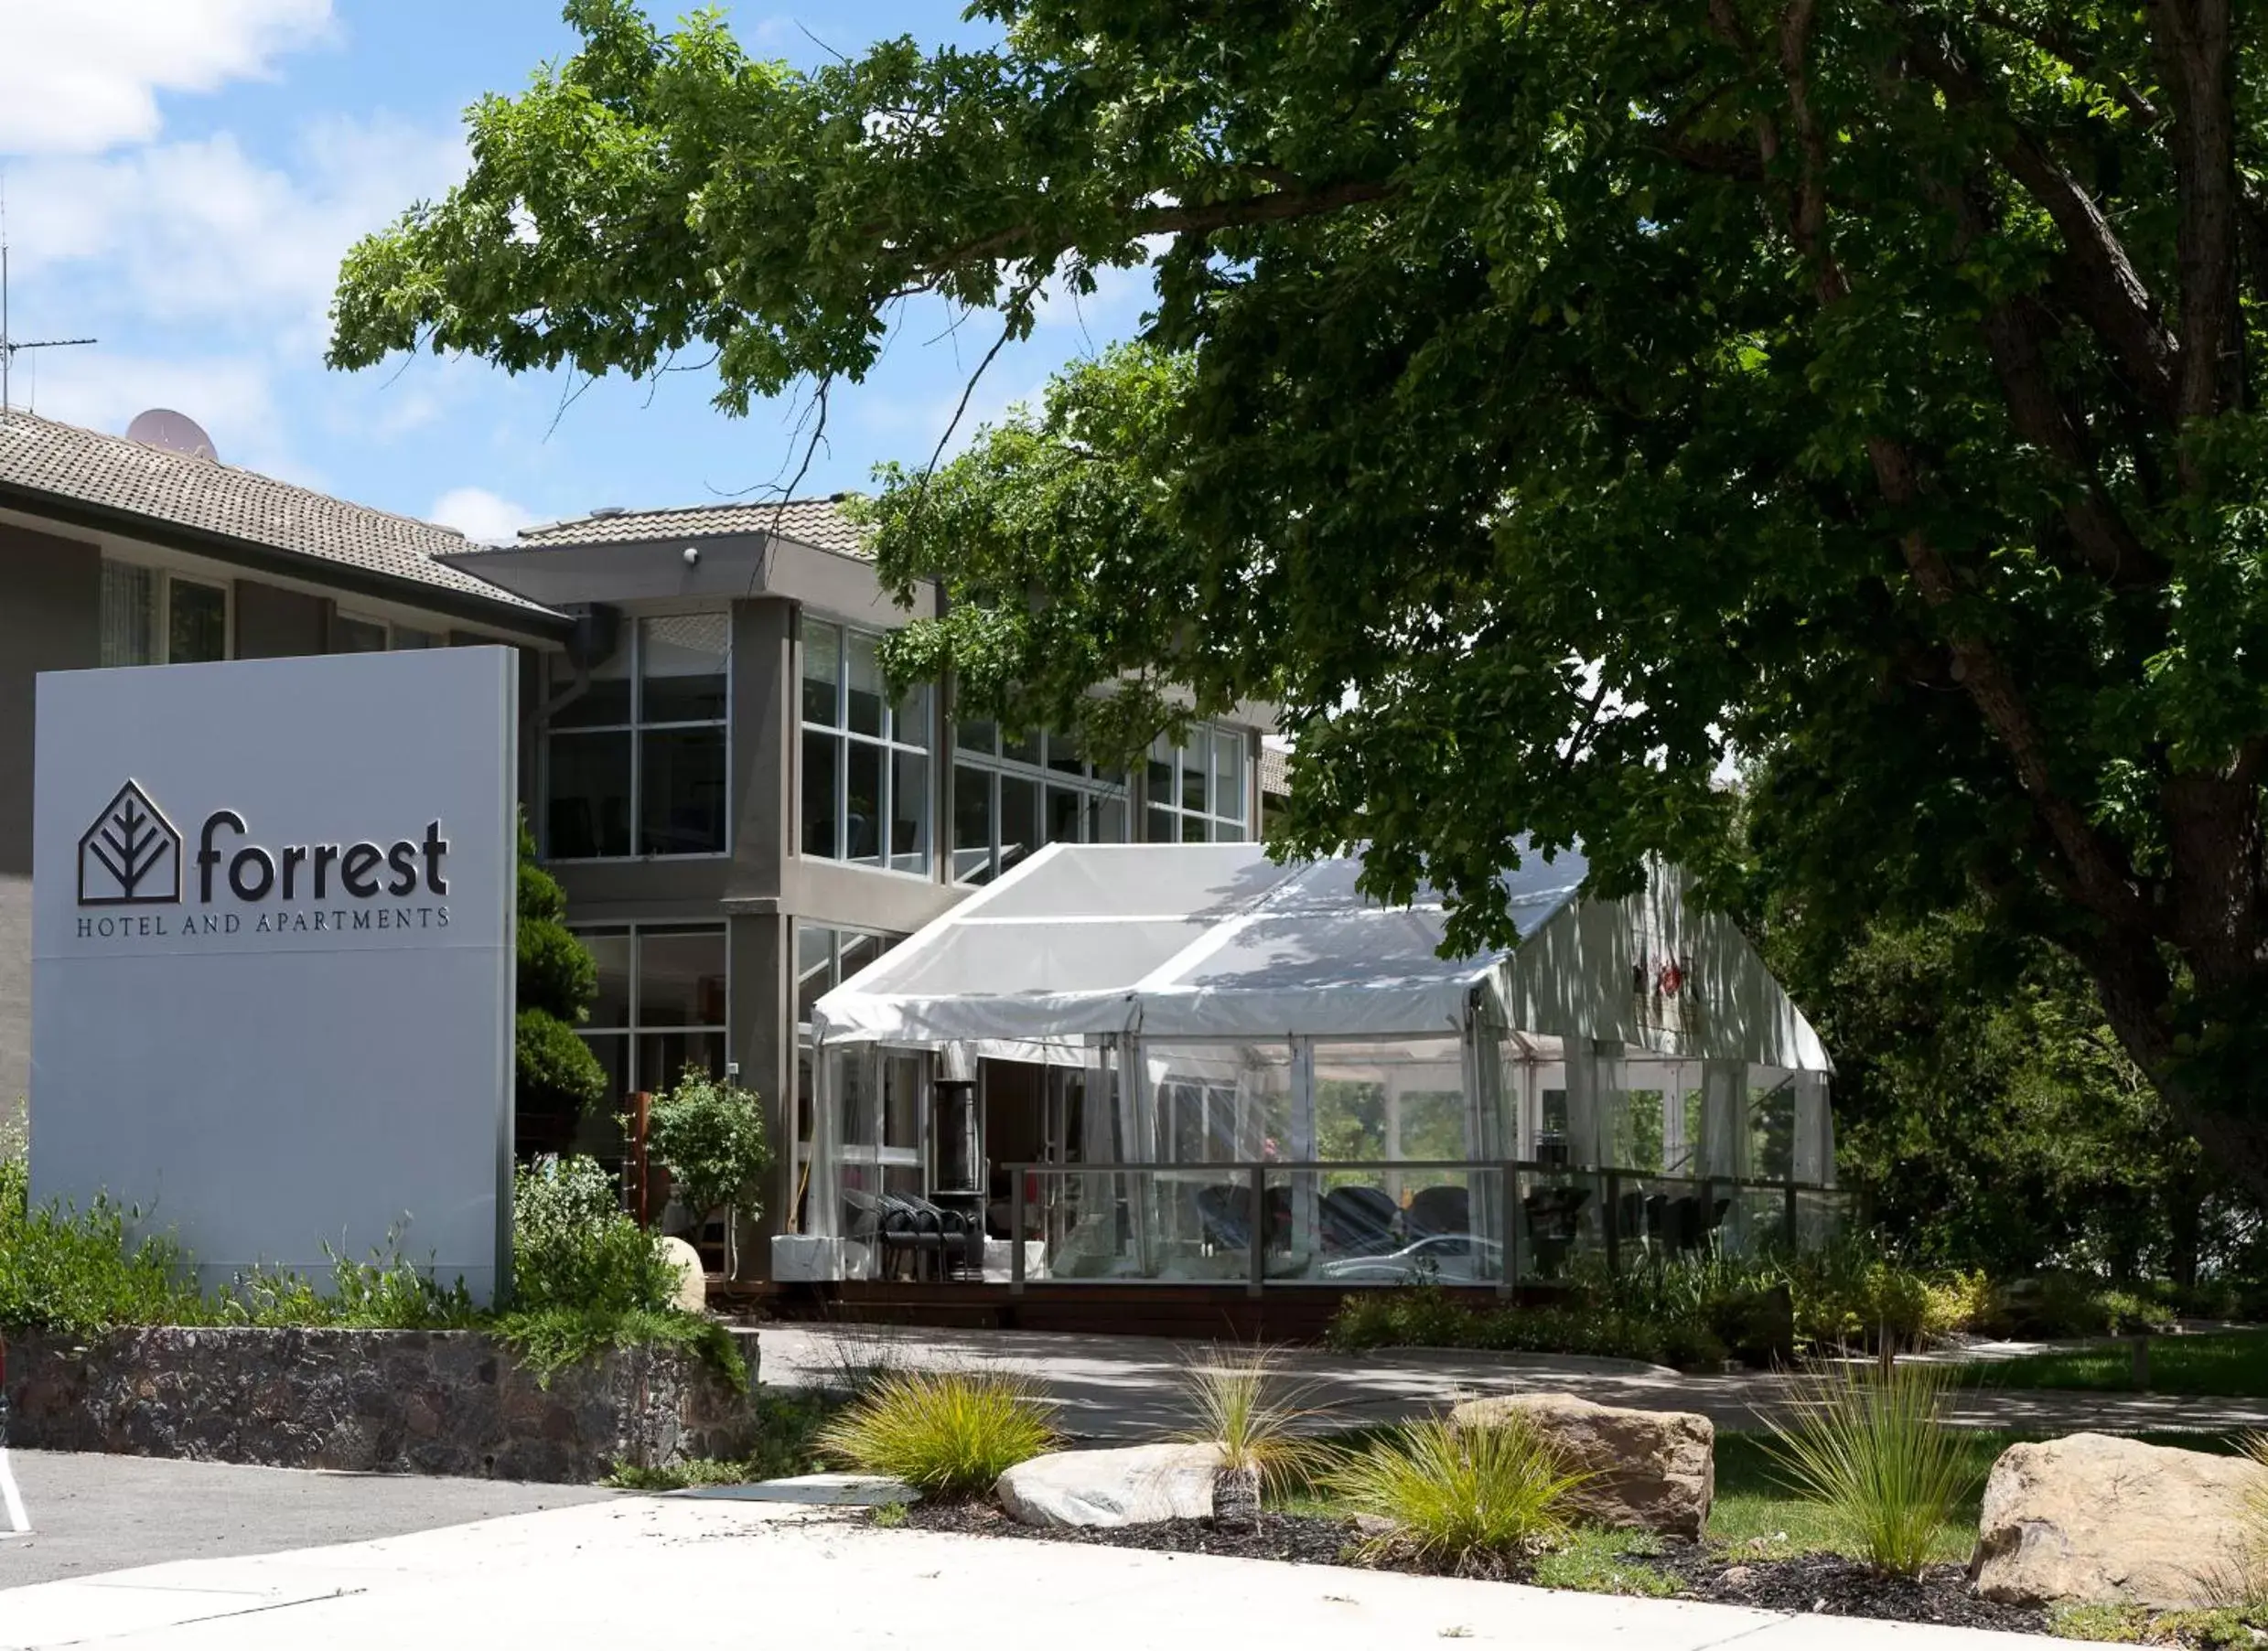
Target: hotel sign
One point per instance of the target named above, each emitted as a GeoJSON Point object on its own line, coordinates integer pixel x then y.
{"type": "Point", "coordinates": [272, 997]}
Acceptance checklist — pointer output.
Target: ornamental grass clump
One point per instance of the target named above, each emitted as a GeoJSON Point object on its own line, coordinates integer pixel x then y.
{"type": "Point", "coordinates": [1469, 1500]}
{"type": "Point", "coordinates": [948, 1433]}
{"type": "Point", "coordinates": [1870, 1450]}
{"type": "Point", "coordinates": [1244, 1406]}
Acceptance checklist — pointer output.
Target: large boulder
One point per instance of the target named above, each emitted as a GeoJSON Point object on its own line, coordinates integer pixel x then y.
{"type": "Point", "coordinates": [1140, 1484]}
{"type": "Point", "coordinates": [1644, 1470]}
{"type": "Point", "coordinates": [2100, 1520]}
{"type": "Point", "coordinates": [692, 1283]}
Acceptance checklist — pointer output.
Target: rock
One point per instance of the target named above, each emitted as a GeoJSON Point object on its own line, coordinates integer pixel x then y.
{"type": "Point", "coordinates": [1648, 1469]}
{"type": "Point", "coordinates": [693, 1284]}
{"type": "Point", "coordinates": [2093, 1520]}
{"type": "Point", "coordinates": [1140, 1484]}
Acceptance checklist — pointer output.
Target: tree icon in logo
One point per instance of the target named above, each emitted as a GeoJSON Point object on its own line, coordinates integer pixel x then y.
{"type": "Point", "coordinates": [131, 855]}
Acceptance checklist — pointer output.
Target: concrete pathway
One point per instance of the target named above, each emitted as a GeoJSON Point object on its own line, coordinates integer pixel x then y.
{"type": "Point", "coordinates": [1125, 1387]}
{"type": "Point", "coordinates": [93, 1514]}
{"type": "Point", "coordinates": [618, 1574]}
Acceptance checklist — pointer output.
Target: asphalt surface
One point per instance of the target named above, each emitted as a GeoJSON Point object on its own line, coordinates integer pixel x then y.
{"type": "Point", "coordinates": [93, 1514]}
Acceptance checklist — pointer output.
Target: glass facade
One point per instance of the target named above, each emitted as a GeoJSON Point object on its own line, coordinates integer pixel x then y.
{"type": "Point", "coordinates": [636, 762]}
{"type": "Point", "coordinates": [1197, 792]}
{"type": "Point", "coordinates": [864, 785]}
{"type": "Point", "coordinates": [662, 1003]}
{"type": "Point", "coordinates": [1012, 797]}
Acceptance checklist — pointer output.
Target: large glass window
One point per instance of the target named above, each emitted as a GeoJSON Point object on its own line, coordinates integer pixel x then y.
{"type": "Point", "coordinates": [661, 1007]}
{"type": "Point", "coordinates": [825, 959]}
{"type": "Point", "coordinates": [1196, 791]}
{"type": "Point", "coordinates": [1011, 798]}
{"type": "Point", "coordinates": [865, 776]}
{"type": "Point", "coordinates": [153, 618]}
{"type": "Point", "coordinates": [636, 756]}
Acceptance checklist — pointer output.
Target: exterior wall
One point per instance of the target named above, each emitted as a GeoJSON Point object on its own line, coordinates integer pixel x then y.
{"type": "Point", "coordinates": [387, 1401]}
{"type": "Point", "coordinates": [50, 615]}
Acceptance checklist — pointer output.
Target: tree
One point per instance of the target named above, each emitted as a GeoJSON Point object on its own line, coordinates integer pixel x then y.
{"type": "Point", "coordinates": [709, 1134]}
{"type": "Point", "coordinates": [1542, 402]}
{"type": "Point", "coordinates": [556, 1078]}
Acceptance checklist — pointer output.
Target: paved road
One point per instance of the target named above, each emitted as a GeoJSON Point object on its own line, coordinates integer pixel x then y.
{"type": "Point", "coordinates": [1126, 1386]}
{"type": "Point", "coordinates": [645, 1570]}
{"type": "Point", "coordinates": [93, 1514]}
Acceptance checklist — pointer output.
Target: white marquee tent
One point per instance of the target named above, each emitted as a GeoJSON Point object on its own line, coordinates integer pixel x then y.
{"type": "Point", "coordinates": [1215, 1016]}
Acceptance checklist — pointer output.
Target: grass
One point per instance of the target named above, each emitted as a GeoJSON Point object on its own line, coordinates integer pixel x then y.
{"type": "Point", "coordinates": [2224, 1364]}
{"type": "Point", "coordinates": [1244, 1405]}
{"type": "Point", "coordinates": [1871, 1455]}
{"type": "Point", "coordinates": [1463, 1498]}
{"type": "Point", "coordinates": [1601, 1561]}
{"type": "Point", "coordinates": [949, 1433]}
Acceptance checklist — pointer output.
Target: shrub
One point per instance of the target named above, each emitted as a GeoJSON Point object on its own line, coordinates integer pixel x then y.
{"type": "Point", "coordinates": [1872, 1453]}
{"type": "Point", "coordinates": [949, 1434]}
{"type": "Point", "coordinates": [75, 1272]}
{"type": "Point", "coordinates": [1465, 1499]}
{"type": "Point", "coordinates": [574, 1249]}
{"type": "Point", "coordinates": [710, 1135]}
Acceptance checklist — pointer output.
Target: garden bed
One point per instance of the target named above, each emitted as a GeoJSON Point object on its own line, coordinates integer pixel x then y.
{"type": "Point", "coordinates": [1826, 1584]}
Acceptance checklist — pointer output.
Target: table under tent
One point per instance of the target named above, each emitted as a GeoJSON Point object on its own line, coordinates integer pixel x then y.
{"type": "Point", "coordinates": [1187, 1063]}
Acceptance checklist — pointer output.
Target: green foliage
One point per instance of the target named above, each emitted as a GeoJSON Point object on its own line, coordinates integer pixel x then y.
{"type": "Point", "coordinates": [1870, 1450]}
{"type": "Point", "coordinates": [1984, 1109]}
{"type": "Point", "coordinates": [1604, 1562]}
{"type": "Point", "coordinates": [551, 1065]}
{"type": "Point", "coordinates": [710, 1135]}
{"type": "Point", "coordinates": [1465, 1499]}
{"type": "Point", "coordinates": [947, 1434]}
{"type": "Point", "coordinates": [75, 1272]}
{"type": "Point", "coordinates": [1539, 405]}
{"type": "Point", "coordinates": [386, 1292]}
{"type": "Point", "coordinates": [1755, 1512]}
{"type": "Point", "coordinates": [553, 1070]}
{"type": "Point", "coordinates": [576, 1252]}
{"type": "Point", "coordinates": [554, 1338]}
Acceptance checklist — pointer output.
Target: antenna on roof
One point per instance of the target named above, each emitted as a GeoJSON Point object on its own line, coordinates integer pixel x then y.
{"type": "Point", "coordinates": [9, 343]}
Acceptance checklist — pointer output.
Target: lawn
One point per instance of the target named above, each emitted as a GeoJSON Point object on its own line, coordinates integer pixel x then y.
{"type": "Point", "coordinates": [2227, 1364]}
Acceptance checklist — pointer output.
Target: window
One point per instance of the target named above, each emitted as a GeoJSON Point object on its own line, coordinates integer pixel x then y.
{"type": "Point", "coordinates": [1197, 790]}
{"type": "Point", "coordinates": [865, 782]}
{"type": "Point", "coordinates": [350, 633]}
{"type": "Point", "coordinates": [662, 1003]}
{"type": "Point", "coordinates": [153, 618]}
{"type": "Point", "coordinates": [825, 959]}
{"type": "Point", "coordinates": [636, 754]}
{"type": "Point", "coordinates": [1011, 798]}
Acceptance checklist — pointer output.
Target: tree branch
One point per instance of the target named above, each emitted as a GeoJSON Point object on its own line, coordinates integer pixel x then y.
{"type": "Point", "coordinates": [1278, 206]}
{"type": "Point", "coordinates": [2196, 52]}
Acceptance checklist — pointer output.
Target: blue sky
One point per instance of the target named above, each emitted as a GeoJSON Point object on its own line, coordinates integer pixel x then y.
{"type": "Point", "coordinates": [183, 175]}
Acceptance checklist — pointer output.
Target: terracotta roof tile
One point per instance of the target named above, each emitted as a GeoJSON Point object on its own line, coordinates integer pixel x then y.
{"type": "Point", "coordinates": [813, 521]}
{"type": "Point", "coordinates": [110, 471]}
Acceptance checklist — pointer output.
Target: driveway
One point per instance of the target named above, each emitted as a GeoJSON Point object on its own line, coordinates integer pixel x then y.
{"type": "Point", "coordinates": [1127, 1387]}
{"type": "Point", "coordinates": [93, 1514]}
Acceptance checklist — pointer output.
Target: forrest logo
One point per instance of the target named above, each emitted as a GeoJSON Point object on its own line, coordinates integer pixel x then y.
{"type": "Point", "coordinates": [131, 855]}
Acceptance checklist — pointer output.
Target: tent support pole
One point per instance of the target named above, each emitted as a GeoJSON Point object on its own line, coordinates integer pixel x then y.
{"type": "Point", "coordinates": [1259, 1230]}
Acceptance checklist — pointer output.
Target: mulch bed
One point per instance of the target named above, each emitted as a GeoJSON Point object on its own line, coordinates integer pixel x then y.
{"type": "Point", "coordinates": [1824, 1584]}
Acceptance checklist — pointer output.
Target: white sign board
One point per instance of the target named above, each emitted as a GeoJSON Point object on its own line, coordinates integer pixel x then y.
{"type": "Point", "coordinates": [271, 955]}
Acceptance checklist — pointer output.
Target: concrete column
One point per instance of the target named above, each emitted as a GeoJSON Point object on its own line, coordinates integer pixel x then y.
{"type": "Point", "coordinates": [765, 749]}
{"type": "Point", "coordinates": [762, 1039]}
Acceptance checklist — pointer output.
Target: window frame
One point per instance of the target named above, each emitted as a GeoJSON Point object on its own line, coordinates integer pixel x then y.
{"type": "Point", "coordinates": [163, 578]}
{"type": "Point", "coordinates": [635, 729]}
{"type": "Point", "coordinates": [933, 752]}
{"type": "Point", "coordinates": [636, 1026]}
{"type": "Point", "coordinates": [1170, 803]}
{"type": "Point", "coordinates": [1093, 785]}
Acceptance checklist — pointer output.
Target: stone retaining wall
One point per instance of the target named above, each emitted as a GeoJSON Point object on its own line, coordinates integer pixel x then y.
{"type": "Point", "coordinates": [442, 1401]}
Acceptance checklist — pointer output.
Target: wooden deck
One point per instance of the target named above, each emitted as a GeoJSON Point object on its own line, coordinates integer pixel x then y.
{"type": "Point", "coordinates": [1192, 1312]}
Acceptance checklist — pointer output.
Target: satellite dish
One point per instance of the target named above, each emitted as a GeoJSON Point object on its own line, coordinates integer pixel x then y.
{"type": "Point", "coordinates": [175, 432]}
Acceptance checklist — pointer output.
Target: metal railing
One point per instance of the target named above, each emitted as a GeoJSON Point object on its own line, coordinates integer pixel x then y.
{"type": "Point", "coordinates": [1501, 1222]}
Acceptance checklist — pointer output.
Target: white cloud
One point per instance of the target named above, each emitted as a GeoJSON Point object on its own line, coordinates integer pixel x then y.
{"type": "Point", "coordinates": [232, 398]}
{"type": "Point", "coordinates": [77, 77]}
{"type": "Point", "coordinates": [480, 515]}
{"type": "Point", "coordinates": [200, 231]}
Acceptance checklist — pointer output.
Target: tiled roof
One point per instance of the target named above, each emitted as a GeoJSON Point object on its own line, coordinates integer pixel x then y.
{"type": "Point", "coordinates": [113, 472]}
{"type": "Point", "coordinates": [1275, 771]}
{"type": "Point", "coordinates": [813, 521]}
